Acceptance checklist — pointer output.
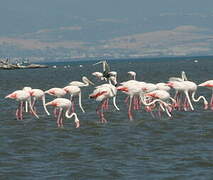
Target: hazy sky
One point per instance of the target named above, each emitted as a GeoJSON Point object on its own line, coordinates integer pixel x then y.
{"type": "Point", "coordinates": [17, 16]}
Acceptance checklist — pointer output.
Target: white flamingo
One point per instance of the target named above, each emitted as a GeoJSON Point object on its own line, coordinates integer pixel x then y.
{"type": "Point", "coordinates": [63, 104]}
{"type": "Point", "coordinates": [74, 91]}
{"type": "Point", "coordinates": [21, 96]}
{"type": "Point", "coordinates": [101, 94]}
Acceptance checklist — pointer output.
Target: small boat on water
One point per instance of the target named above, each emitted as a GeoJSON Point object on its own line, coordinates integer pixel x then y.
{"type": "Point", "coordinates": [5, 64]}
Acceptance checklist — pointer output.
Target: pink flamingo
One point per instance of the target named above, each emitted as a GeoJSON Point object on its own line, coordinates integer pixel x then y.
{"type": "Point", "coordinates": [162, 95]}
{"type": "Point", "coordinates": [21, 96]}
{"type": "Point", "coordinates": [74, 91]}
{"type": "Point", "coordinates": [112, 86]}
{"type": "Point", "coordinates": [209, 85]}
{"type": "Point", "coordinates": [133, 89]}
{"type": "Point", "coordinates": [192, 88]}
{"type": "Point", "coordinates": [101, 94]}
{"type": "Point", "coordinates": [182, 95]}
{"type": "Point", "coordinates": [62, 104]}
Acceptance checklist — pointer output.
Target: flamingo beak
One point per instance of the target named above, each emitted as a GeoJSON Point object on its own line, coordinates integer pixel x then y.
{"type": "Point", "coordinates": [77, 122]}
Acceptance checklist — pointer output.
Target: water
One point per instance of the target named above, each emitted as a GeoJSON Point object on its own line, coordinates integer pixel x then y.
{"type": "Point", "coordinates": [145, 148]}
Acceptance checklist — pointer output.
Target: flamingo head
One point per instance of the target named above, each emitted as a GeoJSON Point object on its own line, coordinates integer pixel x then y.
{"type": "Point", "coordinates": [77, 122]}
{"type": "Point", "coordinates": [113, 79]}
{"type": "Point", "coordinates": [86, 80]}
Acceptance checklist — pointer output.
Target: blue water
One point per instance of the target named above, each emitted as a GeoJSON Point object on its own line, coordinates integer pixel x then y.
{"type": "Point", "coordinates": [148, 148]}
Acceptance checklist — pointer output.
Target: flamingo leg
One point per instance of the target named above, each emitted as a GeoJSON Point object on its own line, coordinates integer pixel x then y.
{"type": "Point", "coordinates": [26, 106]}
{"type": "Point", "coordinates": [103, 120]}
{"type": "Point", "coordinates": [189, 101]}
{"type": "Point", "coordinates": [73, 106]}
{"type": "Point", "coordinates": [114, 103]}
{"type": "Point", "coordinates": [61, 120]}
{"type": "Point", "coordinates": [130, 108]}
{"type": "Point", "coordinates": [59, 117]}
{"type": "Point", "coordinates": [211, 102]}
{"type": "Point", "coordinates": [126, 100]}
{"type": "Point", "coordinates": [79, 100]}
{"type": "Point", "coordinates": [21, 110]}
{"type": "Point", "coordinates": [98, 110]}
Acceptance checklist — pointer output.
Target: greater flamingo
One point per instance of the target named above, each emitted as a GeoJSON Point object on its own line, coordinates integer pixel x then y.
{"type": "Point", "coordinates": [63, 104]}
{"type": "Point", "coordinates": [112, 86]}
{"type": "Point", "coordinates": [133, 89]}
{"type": "Point", "coordinates": [21, 96]}
{"type": "Point", "coordinates": [74, 91]}
{"type": "Point", "coordinates": [101, 94]}
{"type": "Point", "coordinates": [162, 95]}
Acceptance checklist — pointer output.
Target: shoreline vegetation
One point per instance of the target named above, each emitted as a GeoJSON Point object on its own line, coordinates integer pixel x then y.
{"type": "Point", "coordinates": [5, 64]}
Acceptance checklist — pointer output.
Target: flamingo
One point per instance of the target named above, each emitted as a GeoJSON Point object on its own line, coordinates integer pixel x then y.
{"type": "Point", "coordinates": [38, 94]}
{"type": "Point", "coordinates": [101, 94]}
{"type": "Point", "coordinates": [62, 104]}
{"type": "Point", "coordinates": [163, 96]}
{"type": "Point", "coordinates": [209, 85]}
{"type": "Point", "coordinates": [74, 91]}
{"type": "Point", "coordinates": [163, 106]}
{"type": "Point", "coordinates": [133, 89]}
{"type": "Point", "coordinates": [112, 86]}
{"type": "Point", "coordinates": [86, 82]}
{"type": "Point", "coordinates": [21, 96]}
{"type": "Point", "coordinates": [189, 88]}
{"type": "Point", "coordinates": [181, 90]}
{"type": "Point", "coordinates": [192, 88]}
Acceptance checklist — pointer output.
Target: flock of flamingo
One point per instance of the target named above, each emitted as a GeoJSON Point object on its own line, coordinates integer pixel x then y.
{"type": "Point", "coordinates": [153, 98]}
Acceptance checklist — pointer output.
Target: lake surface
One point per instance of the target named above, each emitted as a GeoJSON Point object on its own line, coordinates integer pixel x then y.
{"type": "Point", "coordinates": [147, 148]}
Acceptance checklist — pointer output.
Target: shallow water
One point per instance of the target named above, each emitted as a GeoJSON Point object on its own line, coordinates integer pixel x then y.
{"type": "Point", "coordinates": [145, 148]}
